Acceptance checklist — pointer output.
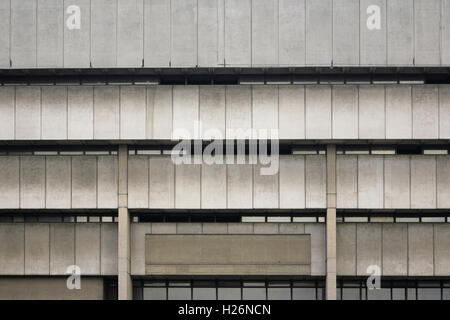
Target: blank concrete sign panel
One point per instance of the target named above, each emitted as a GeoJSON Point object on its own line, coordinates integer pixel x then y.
{"type": "Point", "coordinates": [291, 33]}
{"type": "Point", "coordinates": [238, 32]}
{"type": "Point", "coordinates": [184, 33]}
{"type": "Point", "coordinates": [23, 33]}
{"type": "Point", "coordinates": [265, 32]}
{"type": "Point", "coordinates": [103, 33]}
{"type": "Point", "coordinates": [345, 32]}
{"type": "Point", "coordinates": [157, 36]}
{"type": "Point", "coordinates": [319, 18]}
{"type": "Point", "coordinates": [130, 33]}
{"type": "Point", "coordinates": [50, 33]}
{"type": "Point", "coordinates": [400, 33]}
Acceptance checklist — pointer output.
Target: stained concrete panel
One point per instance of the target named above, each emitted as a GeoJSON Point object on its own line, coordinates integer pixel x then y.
{"type": "Point", "coordinates": [7, 111]}
{"type": "Point", "coordinates": [444, 112]}
{"type": "Point", "coordinates": [395, 249]}
{"type": "Point", "coordinates": [318, 112]}
{"type": "Point", "coordinates": [208, 33]}
{"type": "Point", "coordinates": [423, 182]}
{"type": "Point", "coordinates": [107, 181]}
{"type": "Point", "coordinates": [372, 116]}
{"type": "Point", "coordinates": [58, 186]}
{"type": "Point", "coordinates": [239, 186]}
{"type": "Point", "coordinates": [133, 113]}
{"type": "Point", "coordinates": [346, 249]}
{"type": "Point", "coordinates": [184, 25]}
{"type": "Point", "coordinates": [80, 112]}
{"type": "Point", "coordinates": [138, 181]}
{"type": "Point", "coordinates": [37, 249]}
{"type": "Point", "coordinates": [50, 29]}
{"type": "Point", "coordinates": [265, 189]}
{"type": "Point", "coordinates": [62, 247]}
{"type": "Point", "coordinates": [373, 40]}
{"type": "Point", "coordinates": [397, 193]}
{"type": "Point", "coordinates": [368, 247]}
{"type": "Point", "coordinates": [77, 42]}
{"type": "Point", "coordinates": [28, 113]}
{"type": "Point", "coordinates": [12, 248]}
{"type": "Point", "coordinates": [345, 112]}
{"type": "Point", "coordinates": [319, 27]}
{"type": "Point", "coordinates": [316, 177]}
{"type": "Point", "coordinates": [292, 182]}
{"type": "Point", "coordinates": [212, 112]}
{"type": "Point", "coordinates": [425, 112]}
{"type": "Point", "coordinates": [9, 182]}
{"type": "Point", "coordinates": [187, 186]}
{"type": "Point", "coordinates": [318, 248]}
{"type": "Point", "coordinates": [104, 33]}
{"type": "Point", "coordinates": [420, 249]}
{"type": "Point", "coordinates": [347, 181]}
{"type": "Point", "coordinates": [398, 112]}
{"type": "Point", "coordinates": [238, 32]}
{"type": "Point", "coordinates": [32, 182]}
{"type": "Point", "coordinates": [162, 183]}
{"type": "Point", "coordinates": [291, 106]}
{"type": "Point", "coordinates": [23, 33]}
{"type": "Point", "coordinates": [137, 254]}
{"type": "Point", "coordinates": [400, 33]}
{"type": "Point", "coordinates": [370, 182]}
{"type": "Point", "coordinates": [157, 34]}
{"type": "Point", "coordinates": [84, 182]}
{"type": "Point", "coordinates": [106, 112]}
{"type": "Point", "coordinates": [265, 108]}
{"type": "Point", "coordinates": [346, 32]}
{"type": "Point", "coordinates": [87, 248]}
{"type": "Point", "coordinates": [5, 24]}
{"type": "Point", "coordinates": [54, 113]}
{"type": "Point", "coordinates": [238, 109]}
{"type": "Point", "coordinates": [108, 249]}
{"type": "Point", "coordinates": [441, 250]}
{"type": "Point", "coordinates": [427, 17]}
{"type": "Point", "coordinates": [445, 33]}
{"type": "Point", "coordinates": [292, 36]}
{"type": "Point", "coordinates": [265, 33]}
{"type": "Point", "coordinates": [214, 186]}
{"type": "Point", "coordinates": [130, 33]}
{"type": "Point", "coordinates": [185, 111]}
{"type": "Point", "coordinates": [443, 181]}
{"type": "Point", "coordinates": [159, 112]}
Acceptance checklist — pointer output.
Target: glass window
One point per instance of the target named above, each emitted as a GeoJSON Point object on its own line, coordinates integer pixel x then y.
{"type": "Point", "coordinates": [229, 293]}
{"type": "Point", "coordinates": [379, 294]}
{"type": "Point", "coordinates": [350, 294]}
{"type": "Point", "coordinates": [411, 294]}
{"type": "Point", "coordinates": [179, 293]}
{"type": "Point", "coordinates": [428, 293]}
{"type": "Point", "coordinates": [254, 294]}
{"type": "Point", "coordinates": [279, 293]}
{"type": "Point", "coordinates": [155, 294]}
{"type": "Point", "coordinates": [446, 294]}
{"type": "Point", "coordinates": [398, 294]}
{"type": "Point", "coordinates": [304, 294]}
{"type": "Point", "coordinates": [204, 294]}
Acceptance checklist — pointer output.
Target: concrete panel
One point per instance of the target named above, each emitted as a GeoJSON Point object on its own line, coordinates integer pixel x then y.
{"type": "Point", "coordinates": [400, 32]}
{"type": "Point", "coordinates": [443, 181]}
{"type": "Point", "coordinates": [187, 186]}
{"type": "Point", "coordinates": [107, 181]}
{"type": "Point", "coordinates": [32, 182]}
{"type": "Point", "coordinates": [77, 42]}
{"type": "Point", "coordinates": [318, 248]}
{"type": "Point", "coordinates": [208, 33]}
{"type": "Point", "coordinates": [265, 189]}
{"type": "Point", "coordinates": [5, 24]}
{"type": "Point", "coordinates": [291, 107]}
{"type": "Point", "coordinates": [368, 247]}
{"type": "Point", "coordinates": [130, 33]}
{"type": "Point", "coordinates": [162, 183]}
{"type": "Point", "coordinates": [157, 33]}
{"type": "Point", "coordinates": [345, 112]}
{"type": "Point", "coordinates": [373, 40]}
{"type": "Point", "coordinates": [138, 232]}
{"type": "Point", "coordinates": [265, 33]}
{"type": "Point", "coordinates": [7, 111]}
{"type": "Point", "coordinates": [133, 113]}
{"type": "Point", "coordinates": [239, 186]}
{"type": "Point", "coordinates": [445, 33]}
{"type": "Point", "coordinates": [292, 182]}
{"type": "Point", "coordinates": [183, 33]}
{"type": "Point", "coordinates": [444, 112]}
{"type": "Point", "coordinates": [9, 182]}
{"type": "Point", "coordinates": [108, 249]}
{"type": "Point", "coordinates": [12, 248]}
{"type": "Point", "coordinates": [80, 112]}
{"type": "Point", "coordinates": [420, 249]}
{"type": "Point", "coordinates": [423, 182]}
{"type": "Point", "coordinates": [28, 113]}
{"type": "Point", "coordinates": [54, 113]}
{"type": "Point", "coordinates": [84, 182]}
{"type": "Point", "coordinates": [395, 249]}
{"type": "Point", "coordinates": [238, 109]}
{"type": "Point", "coordinates": [159, 112]}
{"type": "Point", "coordinates": [215, 228]}
{"type": "Point", "coordinates": [185, 111]}
{"type": "Point", "coordinates": [106, 112]}
{"type": "Point", "coordinates": [214, 186]}
{"type": "Point", "coordinates": [23, 33]}
{"type": "Point", "coordinates": [37, 249]}
{"type": "Point", "coordinates": [427, 36]}
{"type": "Point", "coordinates": [104, 33]}
{"type": "Point", "coordinates": [347, 181]}
{"type": "Point", "coordinates": [265, 108]}
{"type": "Point", "coordinates": [372, 119]}
{"type": "Point", "coordinates": [318, 112]}
{"type": "Point", "coordinates": [397, 193]}
{"type": "Point", "coordinates": [319, 27]}
{"type": "Point", "coordinates": [50, 29]}
{"type": "Point", "coordinates": [346, 249]}
{"type": "Point", "coordinates": [346, 32]}
{"type": "Point", "coordinates": [316, 177]}
{"type": "Point", "coordinates": [238, 32]}
{"type": "Point", "coordinates": [212, 112]}
{"type": "Point", "coordinates": [58, 187]}
{"type": "Point", "coordinates": [398, 112]}
{"type": "Point", "coordinates": [425, 112]}
{"type": "Point", "coordinates": [138, 181]}
{"type": "Point", "coordinates": [87, 248]}
{"type": "Point", "coordinates": [291, 34]}
{"type": "Point", "coordinates": [370, 182]}
{"type": "Point", "coordinates": [62, 247]}
{"type": "Point", "coordinates": [441, 250]}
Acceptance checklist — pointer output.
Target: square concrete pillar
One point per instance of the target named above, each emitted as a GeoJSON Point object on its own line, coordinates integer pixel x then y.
{"type": "Point", "coordinates": [331, 223]}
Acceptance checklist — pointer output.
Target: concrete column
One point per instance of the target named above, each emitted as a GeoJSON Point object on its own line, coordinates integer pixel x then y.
{"type": "Point", "coordinates": [125, 287]}
{"type": "Point", "coordinates": [331, 223]}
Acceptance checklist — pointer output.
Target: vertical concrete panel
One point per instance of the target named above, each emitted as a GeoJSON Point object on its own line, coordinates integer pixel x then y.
{"type": "Point", "coordinates": [373, 40]}
{"type": "Point", "coordinates": [291, 38]}
{"type": "Point", "coordinates": [108, 249]}
{"type": "Point", "coordinates": [345, 112]}
{"type": "Point", "coordinates": [239, 186]}
{"type": "Point", "coordinates": [265, 108]}
{"type": "Point", "coordinates": [37, 249]}
{"type": "Point", "coordinates": [425, 112]}
{"type": "Point", "coordinates": [444, 112]}
{"type": "Point", "coordinates": [130, 33]}
{"type": "Point", "coordinates": [185, 111]}
{"type": "Point", "coordinates": [238, 51]}
{"type": "Point", "coordinates": [318, 112]}
{"type": "Point", "coordinates": [372, 118]}
{"type": "Point", "coordinates": [212, 112]}
{"type": "Point", "coordinates": [370, 182]}
{"type": "Point", "coordinates": [12, 248]}
{"type": "Point", "coordinates": [159, 112]}
{"type": "Point", "coordinates": [133, 113]}
{"type": "Point", "coordinates": [368, 247]}
{"type": "Point", "coordinates": [319, 27]}
{"type": "Point", "coordinates": [58, 188]}
{"type": "Point", "coordinates": [62, 247]}
{"type": "Point", "coordinates": [9, 182]}
{"type": "Point", "coordinates": [420, 249]}
{"type": "Point", "coordinates": [423, 182]}
{"type": "Point", "coordinates": [187, 186]}
{"type": "Point", "coordinates": [28, 113]}
{"type": "Point", "coordinates": [138, 232]}
{"type": "Point", "coordinates": [84, 182]}
{"type": "Point", "coordinates": [346, 32]}
{"type": "Point", "coordinates": [397, 193]}
{"type": "Point", "coordinates": [54, 113]}
{"type": "Point", "coordinates": [445, 33]}
{"type": "Point", "coordinates": [80, 112]}
{"type": "Point", "coordinates": [184, 33]}
{"type": "Point", "coordinates": [318, 248]}
{"type": "Point", "coordinates": [162, 183]}
{"type": "Point", "coordinates": [50, 31]}
{"type": "Point", "coordinates": [77, 42]}
{"type": "Point", "coordinates": [316, 177]}
{"type": "Point", "coordinates": [7, 111]}
{"type": "Point", "coordinates": [292, 182]}
{"type": "Point", "coordinates": [427, 18]}
{"type": "Point", "coordinates": [238, 109]}
{"type": "Point", "coordinates": [346, 249]}
{"type": "Point", "coordinates": [107, 181]}
{"type": "Point", "coordinates": [291, 107]}
{"type": "Point", "coordinates": [400, 32]}
{"type": "Point", "coordinates": [214, 186]}
{"type": "Point", "coordinates": [398, 112]}
{"type": "Point", "coordinates": [87, 248]}
{"type": "Point", "coordinates": [265, 189]}
{"type": "Point", "coordinates": [23, 33]}
{"type": "Point", "coordinates": [106, 112]}
{"type": "Point", "coordinates": [265, 33]}
{"type": "Point", "coordinates": [5, 24]}
{"type": "Point", "coordinates": [395, 249]}
{"type": "Point", "coordinates": [441, 250]}
{"type": "Point", "coordinates": [138, 181]}
{"type": "Point", "coordinates": [208, 33]}
{"type": "Point", "coordinates": [104, 33]}
{"type": "Point", "coordinates": [347, 181]}
{"type": "Point", "coordinates": [32, 182]}
{"type": "Point", "coordinates": [443, 181]}
{"type": "Point", "coordinates": [157, 37]}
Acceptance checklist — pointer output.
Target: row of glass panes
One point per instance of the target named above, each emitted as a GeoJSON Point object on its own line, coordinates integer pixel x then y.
{"type": "Point", "coordinates": [56, 219]}
{"type": "Point", "coordinates": [348, 219]}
